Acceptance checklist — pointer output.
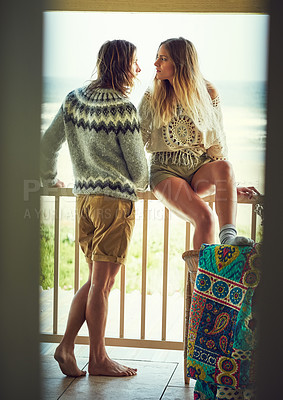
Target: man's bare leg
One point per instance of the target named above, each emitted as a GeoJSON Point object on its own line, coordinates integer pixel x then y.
{"type": "Point", "coordinates": [64, 353]}
{"type": "Point", "coordinates": [103, 277]}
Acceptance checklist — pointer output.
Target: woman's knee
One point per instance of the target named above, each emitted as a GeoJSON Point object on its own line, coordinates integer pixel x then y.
{"type": "Point", "coordinates": [224, 171]}
{"type": "Point", "coordinates": [205, 220]}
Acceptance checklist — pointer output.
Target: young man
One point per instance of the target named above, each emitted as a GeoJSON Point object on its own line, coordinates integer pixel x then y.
{"type": "Point", "coordinates": [101, 127]}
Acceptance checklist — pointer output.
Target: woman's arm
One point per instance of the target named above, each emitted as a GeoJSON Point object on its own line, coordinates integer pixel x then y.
{"type": "Point", "coordinates": [211, 90]}
{"type": "Point", "coordinates": [145, 117]}
{"type": "Point", "coordinates": [218, 149]}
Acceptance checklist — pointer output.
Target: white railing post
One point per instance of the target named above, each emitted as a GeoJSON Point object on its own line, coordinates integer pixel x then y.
{"type": "Point", "coordinates": [187, 247]}
{"type": "Point", "coordinates": [56, 263]}
{"type": "Point", "coordinates": [253, 229]}
{"type": "Point", "coordinates": [77, 254]}
{"type": "Point", "coordinates": [165, 273]}
{"type": "Point", "coordinates": [144, 263]}
{"type": "Point", "coordinates": [122, 300]}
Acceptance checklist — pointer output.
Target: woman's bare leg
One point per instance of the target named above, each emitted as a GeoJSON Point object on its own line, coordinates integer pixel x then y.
{"type": "Point", "coordinates": [177, 195]}
{"type": "Point", "coordinates": [186, 202]}
{"type": "Point", "coordinates": [220, 175]}
{"type": "Point", "coordinates": [103, 277]}
{"type": "Point", "coordinates": [64, 353]}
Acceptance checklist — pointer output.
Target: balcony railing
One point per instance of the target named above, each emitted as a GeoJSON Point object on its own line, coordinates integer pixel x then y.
{"type": "Point", "coordinates": [143, 340]}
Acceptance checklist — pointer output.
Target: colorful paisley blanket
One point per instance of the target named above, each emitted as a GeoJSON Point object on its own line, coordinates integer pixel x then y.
{"type": "Point", "coordinates": [221, 334]}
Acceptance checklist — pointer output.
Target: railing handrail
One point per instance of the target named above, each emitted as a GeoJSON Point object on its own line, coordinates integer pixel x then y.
{"type": "Point", "coordinates": [147, 195]}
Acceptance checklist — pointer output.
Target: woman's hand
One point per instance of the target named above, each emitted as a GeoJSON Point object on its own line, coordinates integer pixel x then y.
{"type": "Point", "coordinates": [59, 184]}
{"type": "Point", "coordinates": [249, 191]}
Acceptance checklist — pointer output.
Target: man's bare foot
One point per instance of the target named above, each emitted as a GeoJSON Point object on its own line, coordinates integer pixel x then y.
{"type": "Point", "coordinates": [109, 367]}
{"type": "Point", "coordinates": [67, 362]}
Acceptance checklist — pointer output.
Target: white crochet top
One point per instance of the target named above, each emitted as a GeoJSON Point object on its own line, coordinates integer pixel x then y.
{"type": "Point", "coordinates": [181, 138]}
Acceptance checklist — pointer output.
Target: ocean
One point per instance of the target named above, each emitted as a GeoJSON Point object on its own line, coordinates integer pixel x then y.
{"type": "Point", "coordinates": [244, 116]}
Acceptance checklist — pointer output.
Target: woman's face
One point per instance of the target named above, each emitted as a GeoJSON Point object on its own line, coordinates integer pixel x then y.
{"type": "Point", "coordinates": [135, 66]}
{"type": "Point", "coordinates": [164, 65]}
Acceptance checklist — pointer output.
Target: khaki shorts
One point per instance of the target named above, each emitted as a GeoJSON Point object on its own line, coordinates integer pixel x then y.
{"type": "Point", "coordinates": [105, 227]}
{"type": "Point", "coordinates": [159, 171]}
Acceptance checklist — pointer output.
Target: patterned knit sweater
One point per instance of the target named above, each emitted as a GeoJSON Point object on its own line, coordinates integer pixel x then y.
{"type": "Point", "coordinates": [104, 139]}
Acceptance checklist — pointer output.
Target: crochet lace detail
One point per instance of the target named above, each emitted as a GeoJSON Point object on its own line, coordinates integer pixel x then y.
{"type": "Point", "coordinates": [216, 101]}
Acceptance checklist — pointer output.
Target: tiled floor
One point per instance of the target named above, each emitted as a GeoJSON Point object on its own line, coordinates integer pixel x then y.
{"type": "Point", "coordinates": [160, 376]}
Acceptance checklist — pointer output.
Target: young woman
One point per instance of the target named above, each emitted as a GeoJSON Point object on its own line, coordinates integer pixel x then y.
{"type": "Point", "coordinates": [181, 124]}
{"type": "Point", "coordinates": [101, 127]}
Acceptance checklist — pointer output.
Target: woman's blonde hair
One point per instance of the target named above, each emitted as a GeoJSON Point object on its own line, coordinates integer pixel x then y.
{"type": "Point", "coordinates": [188, 89]}
{"type": "Point", "coordinates": [114, 66]}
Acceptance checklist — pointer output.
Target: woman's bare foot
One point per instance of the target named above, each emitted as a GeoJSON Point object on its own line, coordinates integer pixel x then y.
{"type": "Point", "coordinates": [67, 362]}
{"type": "Point", "coordinates": [108, 367]}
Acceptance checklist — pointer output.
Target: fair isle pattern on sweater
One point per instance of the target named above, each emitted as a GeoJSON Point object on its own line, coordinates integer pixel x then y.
{"type": "Point", "coordinates": [89, 185]}
{"type": "Point", "coordinates": [105, 144]}
{"type": "Point", "coordinates": [110, 117]}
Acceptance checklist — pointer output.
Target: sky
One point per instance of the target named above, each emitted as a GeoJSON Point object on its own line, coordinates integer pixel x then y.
{"type": "Point", "coordinates": [230, 47]}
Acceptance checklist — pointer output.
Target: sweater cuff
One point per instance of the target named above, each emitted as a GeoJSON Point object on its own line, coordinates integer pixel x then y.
{"type": "Point", "coordinates": [49, 182]}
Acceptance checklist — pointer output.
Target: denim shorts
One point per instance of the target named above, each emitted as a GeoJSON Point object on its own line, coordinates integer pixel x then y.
{"type": "Point", "coordinates": [105, 227]}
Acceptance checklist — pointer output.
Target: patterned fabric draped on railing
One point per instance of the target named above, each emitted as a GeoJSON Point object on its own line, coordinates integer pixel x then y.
{"type": "Point", "coordinates": [221, 329]}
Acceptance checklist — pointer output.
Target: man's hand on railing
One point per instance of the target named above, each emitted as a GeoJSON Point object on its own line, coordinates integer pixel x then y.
{"type": "Point", "coordinates": [249, 192]}
{"type": "Point", "coordinates": [59, 184]}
